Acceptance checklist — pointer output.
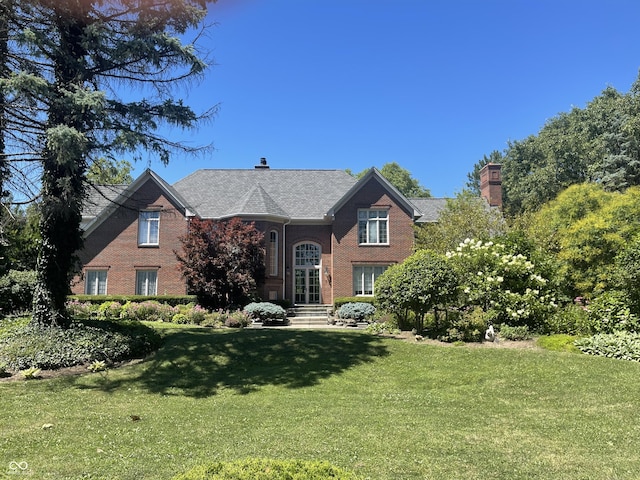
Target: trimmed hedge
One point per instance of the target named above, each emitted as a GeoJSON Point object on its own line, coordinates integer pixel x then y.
{"type": "Point", "coordinates": [266, 469]}
{"type": "Point", "coordinates": [172, 300]}
{"type": "Point", "coordinates": [339, 301]}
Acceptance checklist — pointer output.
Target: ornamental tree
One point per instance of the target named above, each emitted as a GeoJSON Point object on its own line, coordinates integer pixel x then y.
{"type": "Point", "coordinates": [423, 282]}
{"type": "Point", "coordinates": [222, 261]}
{"type": "Point", "coordinates": [505, 285]}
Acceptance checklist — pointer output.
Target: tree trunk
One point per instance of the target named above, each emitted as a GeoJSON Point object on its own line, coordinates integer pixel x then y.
{"type": "Point", "coordinates": [63, 173]}
{"type": "Point", "coordinates": [5, 10]}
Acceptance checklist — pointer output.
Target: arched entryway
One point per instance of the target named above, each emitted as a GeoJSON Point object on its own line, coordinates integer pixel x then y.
{"type": "Point", "coordinates": [306, 270]}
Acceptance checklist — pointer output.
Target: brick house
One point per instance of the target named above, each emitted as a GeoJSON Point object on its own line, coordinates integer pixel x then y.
{"type": "Point", "coordinates": [327, 234]}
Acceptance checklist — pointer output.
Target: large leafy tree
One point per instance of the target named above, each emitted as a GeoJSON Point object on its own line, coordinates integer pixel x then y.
{"type": "Point", "coordinates": [400, 178]}
{"type": "Point", "coordinates": [222, 261]}
{"type": "Point", "coordinates": [585, 228]}
{"type": "Point", "coordinates": [20, 237]}
{"type": "Point", "coordinates": [105, 172]}
{"type": "Point", "coordinates": [66, 61]}
{"type": "Point", "coordinates": [465, 216]}
{"type": "Point", "coordinates": [473, 177]}
{"type": "Point", "coordinates": [598, 143]}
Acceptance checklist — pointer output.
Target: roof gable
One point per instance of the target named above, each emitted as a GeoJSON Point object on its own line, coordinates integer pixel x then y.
{"type": "Point", "coordinates": [374, 173]}
{"type": "Point", "coordinates": [105, 199]}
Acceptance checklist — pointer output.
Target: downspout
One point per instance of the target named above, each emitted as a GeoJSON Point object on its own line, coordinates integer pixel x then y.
{"type": "Point", "coordinates": [284, 258]}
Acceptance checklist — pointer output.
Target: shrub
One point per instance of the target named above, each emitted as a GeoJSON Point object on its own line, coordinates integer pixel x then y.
{"type": "Point", "coordinates": [356, 311]}
{"type": "Point", "coordinates": [610, 312]}
{"type": "Point", "coordinates": [109, 310]}
{"type": "Point", "coordinates": [284, 303]}
{"type": "Point", "coordinates": [180, 318]}
{"type": "Point", "coordinates": [215, 319]}
{"type": "Point", "coordinates": [52, 347]}
{"type": "Point", "coordinates": [421, 283]}
{"type": "Point", "coordinates": [461, 326]}
{"type": "Point", "coordinates": [339, 301]}
{"type": "Point", "coordinates": [383, 328]}
{"type": "Point", "coordinates": [237, 319]}
{"type": "Point", "coordinates": [150, 311]}
{"type": "Point", "coordinates": [506, 284]}
{"type": "Point", "coordinates": [265, 311]}
{"type": "Point", "coordinates": [81, 310]}
{"type": "Point", "coordinates": [16, 291]}
{"type": "Point", "coordinates": [97, 366]}
{"type": "Point", "coordinates": [620, 345]}
{"type": "Point", "coordinates": [30, 373]}
{"type": "Point", "coordinates": [266, 469]}
{"type": "Point", "coordinates": [571, 319]}
{"type": "Point", "coordinates": [518, 333]}
{"type": "Point", "coordinates": [195, 314]}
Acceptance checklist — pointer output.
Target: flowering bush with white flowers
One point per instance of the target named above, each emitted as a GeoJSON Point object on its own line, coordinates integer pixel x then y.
{"type": "Point", "coordinates": [506, 286]}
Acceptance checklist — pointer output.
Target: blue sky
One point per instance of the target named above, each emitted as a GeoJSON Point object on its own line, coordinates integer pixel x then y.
{"type": "Point", "coordinates": [431, 85]}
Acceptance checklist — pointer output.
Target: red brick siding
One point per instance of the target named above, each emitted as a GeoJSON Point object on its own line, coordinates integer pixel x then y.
{"type": "Point", "coordinates": [113, 246]}
{"type": "Point", "coordinates": [346, 250]}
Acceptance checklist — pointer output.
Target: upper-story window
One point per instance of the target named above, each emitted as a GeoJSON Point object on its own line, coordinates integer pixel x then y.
{"type": "Point", "coordinates": [373, 227]}
{"type": "Point", "coordinates": [273, 253]}
{"type": "Point", "coordinates": [149, 227]}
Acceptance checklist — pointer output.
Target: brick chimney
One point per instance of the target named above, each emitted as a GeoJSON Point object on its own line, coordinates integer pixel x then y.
{"type": "Point", "coordinates": [491, 184]}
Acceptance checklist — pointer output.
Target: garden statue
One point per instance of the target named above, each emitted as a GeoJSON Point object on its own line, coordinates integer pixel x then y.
{"type": "Point", "coordinates": [490, 334]}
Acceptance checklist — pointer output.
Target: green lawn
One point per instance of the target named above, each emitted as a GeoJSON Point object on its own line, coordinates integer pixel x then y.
{"type": "Point", "coordinates": [383, 408]}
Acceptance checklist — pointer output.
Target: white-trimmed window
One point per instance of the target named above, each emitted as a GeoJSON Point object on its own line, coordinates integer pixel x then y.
{"type": "Point", "coordinates": [364, 278]}
{"type": "Point", "coordinates": [273, 253]}
{"type": "Point", "coordinates": [149, 227]}
{"type": "Point", "coordinates": [373, 227]}
{"type": "Point", "coordinates": [95, 282]}
{"type": "Point", "coordinates": [146, 282]}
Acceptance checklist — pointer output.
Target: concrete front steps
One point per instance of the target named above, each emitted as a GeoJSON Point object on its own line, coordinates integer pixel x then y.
{"type": "Point", "coordinates": [309, 315]}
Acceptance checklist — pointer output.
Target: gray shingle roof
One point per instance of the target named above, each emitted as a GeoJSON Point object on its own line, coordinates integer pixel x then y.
{"type": "Point", "coordinates": [296, 194]}
{"type": "Point", "coordinates": [429, 207]}
{"type": "Point", "coordinates": [98, 198]}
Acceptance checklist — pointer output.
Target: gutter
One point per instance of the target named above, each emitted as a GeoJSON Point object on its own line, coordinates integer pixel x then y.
{"type": "Point", "coordinates": [284, 258]}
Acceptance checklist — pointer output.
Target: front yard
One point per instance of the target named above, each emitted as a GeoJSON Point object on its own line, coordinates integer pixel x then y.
{"type": "Point", "coordinates": [381, 407]}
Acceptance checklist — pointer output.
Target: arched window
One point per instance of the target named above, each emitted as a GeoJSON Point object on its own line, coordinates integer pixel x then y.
{"type": "Point", "coordinates": [273, 253]}
{"type": "Point", "coordinates": [307, 255]}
